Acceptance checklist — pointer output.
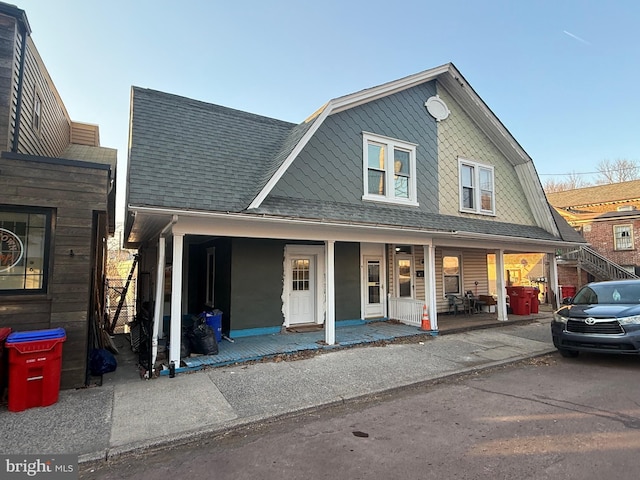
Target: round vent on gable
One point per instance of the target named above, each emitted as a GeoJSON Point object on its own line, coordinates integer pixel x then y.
{"type": "Point", "coordinates": [437, 108]}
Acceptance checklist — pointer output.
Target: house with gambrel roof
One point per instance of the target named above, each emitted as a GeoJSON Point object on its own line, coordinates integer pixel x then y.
{"type": "Point", "coordinates": [383, 202]}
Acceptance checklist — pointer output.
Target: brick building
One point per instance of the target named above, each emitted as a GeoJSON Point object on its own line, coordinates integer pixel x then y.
{"type": "Point", "coordinates": [608, 217]}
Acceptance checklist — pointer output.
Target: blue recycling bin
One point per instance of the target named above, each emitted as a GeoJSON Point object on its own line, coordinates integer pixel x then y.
{"type": "Point", "coordinates": [214, 320]}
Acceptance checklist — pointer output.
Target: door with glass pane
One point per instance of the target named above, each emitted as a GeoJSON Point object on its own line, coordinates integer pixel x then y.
{"type": "Point", "coordinates": [374, 291]}
{"type": "Point", "coordinates": [302, 289]}
{"type": "Point", "coordinates": [404, 276]}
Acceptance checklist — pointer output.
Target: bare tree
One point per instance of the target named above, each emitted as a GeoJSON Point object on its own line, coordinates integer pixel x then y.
{"type": "Point", "coordinates": [572, 181]}
{"type": "Point", "coordinates": [554, 186]}
{"type": "Point", "coordinates": [616, 171]}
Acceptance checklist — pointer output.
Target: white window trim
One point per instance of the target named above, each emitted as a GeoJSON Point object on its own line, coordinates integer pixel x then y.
{"type": "Point", "coordinates": [460, 270]}
{"type": "Point", "coordinates": [477, 200]}
{"type": "Point", "coordinates": [390, 144]}
{"type": "Point", "coordinates": [615, 238]}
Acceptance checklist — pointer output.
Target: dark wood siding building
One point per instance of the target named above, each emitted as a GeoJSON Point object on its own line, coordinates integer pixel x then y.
{"type": "Point", "coordinates": [57, 204]}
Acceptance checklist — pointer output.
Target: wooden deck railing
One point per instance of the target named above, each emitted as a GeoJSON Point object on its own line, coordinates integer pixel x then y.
{"type": "Point", "coordinates": [406, 310]}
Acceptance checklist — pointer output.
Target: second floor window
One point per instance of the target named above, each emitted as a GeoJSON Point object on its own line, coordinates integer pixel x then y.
{"type": "Point", "coordinates": [477, 189]}
{"type": "Point", "coordinates": [389, 170]}
{"type": "Point", "coordinates": [623, 237]}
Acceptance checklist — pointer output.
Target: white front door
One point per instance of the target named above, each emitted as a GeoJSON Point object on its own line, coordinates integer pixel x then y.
{"type": "Point", "coordinates": [302, 305]}
{"type": "Point", "coordinates": [374, 294]}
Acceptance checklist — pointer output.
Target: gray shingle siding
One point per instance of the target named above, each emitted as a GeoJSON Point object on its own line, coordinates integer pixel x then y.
{"type": "Point", "coordinates": [330, 166]}
{"type": "Point", "coordinates": [195, 155]}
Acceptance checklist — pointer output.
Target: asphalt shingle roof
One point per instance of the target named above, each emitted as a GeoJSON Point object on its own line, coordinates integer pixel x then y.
{"type": "Point", "coordinates": [191, 155]}
{"type": "Point", "coordinates": [195, 155]}
{"type": "Point", "coordinates": [580, 197]}
{"type": "Point", "coordinates": [389, 215]}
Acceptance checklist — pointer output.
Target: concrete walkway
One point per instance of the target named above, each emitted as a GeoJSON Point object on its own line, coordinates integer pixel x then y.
{"type": "Point", "coordinates": [130, 415]}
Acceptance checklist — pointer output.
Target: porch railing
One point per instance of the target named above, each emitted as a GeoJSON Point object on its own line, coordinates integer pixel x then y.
{"type": "Point", "coordinates": [406, 310]}
{"type": "Point", "coordinates": [599, 266]}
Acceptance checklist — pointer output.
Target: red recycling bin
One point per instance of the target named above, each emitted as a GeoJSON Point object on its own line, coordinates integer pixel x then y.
{"type": "Point", "coordinates": [535, 301]}
{"type": "Point", "coordinates": [520, 300]}
{"type": "Point", "coordinates": [35, 362]}
{"type": "Point", "coordinates": [567, 291]}
{"type": "Point", "coordinates": [4, 361]}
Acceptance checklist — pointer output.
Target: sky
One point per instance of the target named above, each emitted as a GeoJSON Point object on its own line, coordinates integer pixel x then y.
{"type": "Point", "coordinates": [561, 75]}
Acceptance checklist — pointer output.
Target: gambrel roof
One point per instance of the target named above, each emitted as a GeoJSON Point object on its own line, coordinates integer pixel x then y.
{"type": "Point", "coordinates": [191, 156]}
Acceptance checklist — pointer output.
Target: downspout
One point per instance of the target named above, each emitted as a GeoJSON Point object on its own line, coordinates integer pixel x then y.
{"type": "Point", "coordinates": [23, 53]}
{"type": "Point", "coordinates": [158, 307]}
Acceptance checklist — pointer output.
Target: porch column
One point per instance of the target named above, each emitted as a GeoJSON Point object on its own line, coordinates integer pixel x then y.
{"type": "Point", "coordinates": [500, 286]}
{"type": "Point", "coordinates": [158, 307]}
{"type": "Point", "coordinates": [553, 282]}
{"type": "Point", "coordinates": [330, 321]}
{"type": "Point", "coordinates": [430, 284]}
{"type": "Point", "coordinates": [176, 299]}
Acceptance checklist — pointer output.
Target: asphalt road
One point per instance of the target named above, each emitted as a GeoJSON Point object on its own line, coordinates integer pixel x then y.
{"type": "Point", "coordinates": [545, 418]}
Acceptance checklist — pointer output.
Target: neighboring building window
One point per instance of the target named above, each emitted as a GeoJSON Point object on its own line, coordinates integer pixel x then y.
{"type": "Point", "coordinates": [622, 237]}
{"type": "Point", "coordinates": [389, 170]}
{"type": "Point", "coordinates": [477, 188]}
{"type": "Point", "coordinates": [452, 279]}
{"type": "Point", "coordinates": [37, 112]}
{"type": "Point", "coordinates": [24, 235]}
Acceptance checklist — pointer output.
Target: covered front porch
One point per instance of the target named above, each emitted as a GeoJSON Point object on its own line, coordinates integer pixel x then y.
{"type": "Point", "coordinates": [350, 334]}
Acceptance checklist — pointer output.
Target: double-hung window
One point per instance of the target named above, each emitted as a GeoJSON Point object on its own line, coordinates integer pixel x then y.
{"type": "Point", "coordinates": [389, 170]}
{"type": "Point", "coordinates": [452, 272]}
{"type": "Point", "coordinates": [623, 237]}
{"type": "Point", "coordinates": [477, 187]}
{"type": "Point", "coordinates": [24, 249]}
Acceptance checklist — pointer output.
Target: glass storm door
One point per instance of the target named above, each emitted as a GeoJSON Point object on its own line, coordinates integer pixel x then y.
{"type": "Point", "coordinates": [404, 270]}
{"type": "Point", "coordinates": [374, 294]}
{"type": "Point", "coordinates": [303, 290]}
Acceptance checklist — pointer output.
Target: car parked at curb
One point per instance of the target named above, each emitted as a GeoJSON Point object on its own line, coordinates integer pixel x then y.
{"type": "Point", "coordinates": [602, 317]}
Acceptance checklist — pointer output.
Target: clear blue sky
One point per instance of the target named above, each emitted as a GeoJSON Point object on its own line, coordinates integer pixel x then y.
{"type": "Point", "coordinates": [561, 75]}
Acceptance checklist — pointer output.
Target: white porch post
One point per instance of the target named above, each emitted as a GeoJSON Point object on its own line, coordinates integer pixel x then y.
{"type": "Point", "coordinates": [158, 307]}
{"type": "Point", "coordinates": [430, 284]}
{"type": "Point", "coordinates": [176, 299]}
{"type": "Point", "coordinates": [500, 286]}
{"type": "Point", "coordinates": [553, 281]}
{"type": "Point", "coordinates": [330, 321]}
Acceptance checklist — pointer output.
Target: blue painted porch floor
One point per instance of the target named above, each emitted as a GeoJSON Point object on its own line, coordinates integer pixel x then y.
{"type": "Point", "coordinates": [252, 348]}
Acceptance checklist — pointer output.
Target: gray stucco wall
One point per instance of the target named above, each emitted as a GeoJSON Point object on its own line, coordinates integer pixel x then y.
{"type": "Point", "coordinates": [330, 167]}
{"type": "Point", "coordinates": [257, 276]}
{"type": "Point", "coordinates": [347, 271]}
{"type": "Point", "coordinates": [256, 283]}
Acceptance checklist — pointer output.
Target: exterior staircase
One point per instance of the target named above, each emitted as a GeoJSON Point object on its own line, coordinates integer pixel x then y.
{"type": "Point", "coordinates": [592, 262]}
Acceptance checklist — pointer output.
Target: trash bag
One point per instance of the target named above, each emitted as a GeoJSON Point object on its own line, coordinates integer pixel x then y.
{"type": "Point", "coordinates": [185, 342]}
{"type": "Point", "coordinates": [101, 361]}
{"type": "Point", "coordinates": [203, 339]}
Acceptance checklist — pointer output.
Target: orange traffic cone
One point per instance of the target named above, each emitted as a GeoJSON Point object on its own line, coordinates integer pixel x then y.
{"type": "Point", "coordinates": [426, 324]}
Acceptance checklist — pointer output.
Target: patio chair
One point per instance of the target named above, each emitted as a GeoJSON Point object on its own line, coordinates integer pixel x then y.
{"type": "Point", "coordinates": [454, 303]}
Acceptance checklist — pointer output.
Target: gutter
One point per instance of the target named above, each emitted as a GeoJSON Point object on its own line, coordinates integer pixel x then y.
{"type": "Point", "coordinates": [450, 234]}
{"type": "Point", "coordinates": [157, 311]}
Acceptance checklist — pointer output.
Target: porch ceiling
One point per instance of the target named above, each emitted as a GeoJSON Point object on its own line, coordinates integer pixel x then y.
{"type": "Point", "coordinates": [145, 227]}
